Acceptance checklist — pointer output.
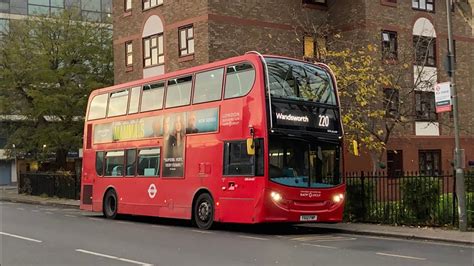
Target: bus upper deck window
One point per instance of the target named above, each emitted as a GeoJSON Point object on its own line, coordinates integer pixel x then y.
{"type": "Point", "coordinates": [152, 98]}
{"type": "Point", "coordinates": [239, 80]}
{"type": "Point", "coordinates": [179, 91]}
{"type": "Point", "coordinates": [98, 107]}
{"type": "Point", "coordinates": [134, 100]}
{"type": "Point", "coordinates": [208, 86]}
{"type": "Point", "coordinates": [118, 103]}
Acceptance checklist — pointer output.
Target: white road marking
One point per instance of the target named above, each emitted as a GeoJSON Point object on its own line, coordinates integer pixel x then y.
{"type": "Point", "coordinates": [399, 256]}
{"type": "Point", "coordinates": [159, 226]}
{"type": "Point", "coordinates": [70, 210]}
{"type": "Point", "coordinates": [20, 209]}
{"type": "Point", "coordinates": [72, 216]}
{"type": "Point", "coordinates": [202, 232]}
{"type": "Point", "coordinates": [333, 240]}
{"type": "Point", "coordinates": [122, 222]}
{"type": "Point", "coordinates": [253, 237]}
{"type": "Point", "coordinates": [50, 209]}
{"type": "Point", "coordinates": [35, 210]}
{"type": "Point", "coordinates": [21, 237]}
{"type": "Point", "coordinates": [322, 238]}
{"type": "Point", "coordinates": [429, 242]}
{"type": "Point", "coordinates": [113, 257]}
{"type": "Point", "coordinates": [319, 246]}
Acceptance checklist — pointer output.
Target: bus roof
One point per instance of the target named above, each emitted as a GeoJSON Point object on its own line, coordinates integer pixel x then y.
{"type": "Point", "coordinates": [250, 56]}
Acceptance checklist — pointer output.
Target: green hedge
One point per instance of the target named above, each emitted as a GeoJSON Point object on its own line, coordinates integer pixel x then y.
{"type": "Point", "coordinates": [421, 203]}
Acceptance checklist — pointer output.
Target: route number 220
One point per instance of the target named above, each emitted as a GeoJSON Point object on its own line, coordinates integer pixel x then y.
{"type": "Point", "coordinates": [323, 121]}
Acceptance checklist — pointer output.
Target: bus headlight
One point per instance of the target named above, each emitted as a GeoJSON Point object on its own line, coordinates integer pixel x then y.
{"type": "Point", "coordinates": [275, 196]}
{"type": "Point", "coordinates": [338, 198]}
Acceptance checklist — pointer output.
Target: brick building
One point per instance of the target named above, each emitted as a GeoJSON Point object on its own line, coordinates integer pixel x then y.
{"type": "Point", "coordinates": [152, 37]}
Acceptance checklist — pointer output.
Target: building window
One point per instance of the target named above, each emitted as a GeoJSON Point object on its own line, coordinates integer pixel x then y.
{"type": "Point", "coordinates": [128, 53]}
{"type": "Point", "coordinates": [5, 6]}
{"type": "Point", "coordinates": [425, 50]}
{"type": "Point", "coordinates": [391, 102]}
{"type": "Point", "coordinates": [425, 106]}
{"type": "Point", "coordinates": [128, 5]}
{"type": "Point", "coordinates": [186, 41]}
{"type": "Point", "coordinates": [153, 50]}
{"type": "Point", "coordinates": [394, 163]}
{"type": "Point", "coordinates": [315, 2]}
{"type": "Point", "coordinates": [147, 4]}
{"type": "Point", "coordinates": [429, 162]}
{"type": "Point", "coordinates": [45, 7]}
{"type": "Point", "coordinates": [426, 5]}
{"type": "Point", "coordinates": [314, 48]}
{"type": "Point", "coordinates": [91, 10]}
{"type": "Point", "coordinates": [309, 47]}
{"type": "Point", "coordinates": [4, 26]}
{"type": "Point", "coordinates": [389, 45]}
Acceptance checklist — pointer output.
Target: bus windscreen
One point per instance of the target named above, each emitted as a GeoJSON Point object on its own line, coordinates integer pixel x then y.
{"type": "Point", "coordinates": [300, 81]}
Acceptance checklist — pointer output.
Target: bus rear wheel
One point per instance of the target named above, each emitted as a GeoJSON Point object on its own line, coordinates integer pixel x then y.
{"type": "Point", "coordinates": [203, 211]}
{"type": "Point", "coordinates": [110, 204]}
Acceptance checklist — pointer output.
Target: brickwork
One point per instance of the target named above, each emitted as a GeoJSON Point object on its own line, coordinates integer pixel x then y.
{"type": "Point", "coordinates": [128, 26]}
{"type": "Point", "coordinates": [227, 28]}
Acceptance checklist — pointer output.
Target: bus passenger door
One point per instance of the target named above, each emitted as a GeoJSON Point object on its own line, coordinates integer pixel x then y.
{"type": "Point", "coordinates": [240, 187]}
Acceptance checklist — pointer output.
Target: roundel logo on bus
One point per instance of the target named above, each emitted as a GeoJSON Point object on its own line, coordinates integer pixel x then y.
{"type": "Point", "coordinates": [152, 191]}
{"type": "Point", "coordinates": [310, 194]}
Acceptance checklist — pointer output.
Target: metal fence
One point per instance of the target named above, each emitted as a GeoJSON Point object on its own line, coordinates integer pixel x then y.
{"type": "Point", "coordinates": [409, 199]}
{"type": "Point", "coordinates": [50, 184]}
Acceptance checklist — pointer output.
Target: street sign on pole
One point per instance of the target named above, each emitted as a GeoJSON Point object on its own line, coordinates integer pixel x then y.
{"type": "Point", "coordinates": [443, 97]}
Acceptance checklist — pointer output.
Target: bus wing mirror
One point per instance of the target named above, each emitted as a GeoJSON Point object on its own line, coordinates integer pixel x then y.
{"type": "Point", "coordinates": [250, 146]}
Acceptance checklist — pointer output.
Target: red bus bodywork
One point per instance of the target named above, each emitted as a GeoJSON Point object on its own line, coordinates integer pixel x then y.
{"type": "Point", "coordinates": [238, 199]}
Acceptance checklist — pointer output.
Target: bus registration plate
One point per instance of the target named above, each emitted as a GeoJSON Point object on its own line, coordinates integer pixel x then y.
{"type": "Point", "coordinates": [306, 218]}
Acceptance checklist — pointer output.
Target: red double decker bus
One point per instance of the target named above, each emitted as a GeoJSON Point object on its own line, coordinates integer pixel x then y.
{"type": "Point", "coordinates": [249, 139]}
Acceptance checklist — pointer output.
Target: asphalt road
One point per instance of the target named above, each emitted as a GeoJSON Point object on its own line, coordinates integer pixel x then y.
{"type": "Point", "coordinates": [42, 235]}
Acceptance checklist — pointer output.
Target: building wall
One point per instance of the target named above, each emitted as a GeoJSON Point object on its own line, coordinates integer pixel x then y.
{"type": "Point", "coordinates": [228, 28]}
{"type": "Point", "coordinates": [129, 26]}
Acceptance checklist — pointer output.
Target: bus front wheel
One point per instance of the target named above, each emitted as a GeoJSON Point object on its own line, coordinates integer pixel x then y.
{"type": "Point", "coordinates": [110, 204]}
{"type": "Point", "coordinates": [203, 211]}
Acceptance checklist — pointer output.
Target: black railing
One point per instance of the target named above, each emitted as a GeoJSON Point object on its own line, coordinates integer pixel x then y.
{"type": "Point", "coordinates": [409, 199]}
{"type": "Point", "coordinates": [50, 184]}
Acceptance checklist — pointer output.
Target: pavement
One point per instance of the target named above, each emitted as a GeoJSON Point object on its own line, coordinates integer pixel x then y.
{"type": "Point", "coordinates": [9, 193]}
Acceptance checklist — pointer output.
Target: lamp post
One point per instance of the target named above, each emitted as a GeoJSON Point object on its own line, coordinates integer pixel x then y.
{"type": "Point", "coordinates": [460, 187]}
{"type": "Point", "coordinates": [16, 166]}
